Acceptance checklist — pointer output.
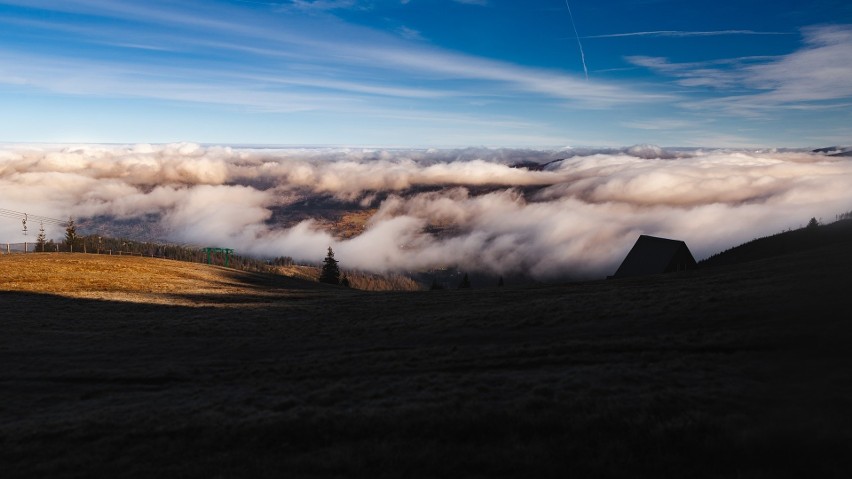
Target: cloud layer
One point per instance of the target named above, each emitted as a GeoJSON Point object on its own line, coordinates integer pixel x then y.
{"type": "Point", "coordinates": [566, 213]}
{"type": "Point", "coordinates": [813, 77]}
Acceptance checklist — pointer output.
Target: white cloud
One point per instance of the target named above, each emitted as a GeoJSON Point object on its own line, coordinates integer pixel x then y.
{"type": "Point", "coordinates": [352, 66]}
{"type": "Point", "coordinates": [820, 71]}
{"type": "Point", "coordinates": [577, 217]}
{"type": "Point", "coordinates": [810, 77]}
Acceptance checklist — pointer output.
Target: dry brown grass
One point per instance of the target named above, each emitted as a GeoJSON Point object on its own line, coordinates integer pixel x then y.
{"type": "Point", "coordinates": [136, 279]}
{"type": "Point", "coordinates": [353, 223]}
{"type": "Point", "coordinates": [357, 279]}
{"type": "Point", "coordinates": [307, 273]}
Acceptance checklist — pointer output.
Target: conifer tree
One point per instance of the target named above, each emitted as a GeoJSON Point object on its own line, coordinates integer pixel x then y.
{"type": "Point", "coordinates": [41, 239]}
{"type": "Point", "coordinates": [71, 234]}
{"type": "Point", "coordinates": [465, 282]}
{"type": "Point", "coordinates": [330, 272]}
{"type": "Point", "coordinates": [344, 281]}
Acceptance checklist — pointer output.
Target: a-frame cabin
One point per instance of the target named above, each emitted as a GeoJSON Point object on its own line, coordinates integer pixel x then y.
{"type": "Point", "coordinates": [652, 255]}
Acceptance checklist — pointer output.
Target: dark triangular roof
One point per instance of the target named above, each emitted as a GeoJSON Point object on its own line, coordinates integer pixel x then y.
{"type": "Point", "coordinates": [652, 255]}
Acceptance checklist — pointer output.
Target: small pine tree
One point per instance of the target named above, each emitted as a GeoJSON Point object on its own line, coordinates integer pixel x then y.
{"type": "Point", "coordinates": [344, 281]}
{"type": "Point", "coordinates": [813, 223]}
{"type": "Point", "coordinates": [71, 237]}
{"type": "Point", "coordinates": [465, 282]}
{"type": "Point", "coordinates": [41, 239]}
{"type": "Point", "coordinates": [330, 272]}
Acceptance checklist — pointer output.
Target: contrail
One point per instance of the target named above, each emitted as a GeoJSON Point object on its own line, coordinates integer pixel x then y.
{"type": "Point", "coordinates": [582, 54]}
{"type": "Point", "coordinates": [676, 33]}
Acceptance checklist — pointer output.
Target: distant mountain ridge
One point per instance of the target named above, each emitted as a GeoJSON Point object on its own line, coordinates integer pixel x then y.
{"type": "Point", "coordinates": [835, 150]}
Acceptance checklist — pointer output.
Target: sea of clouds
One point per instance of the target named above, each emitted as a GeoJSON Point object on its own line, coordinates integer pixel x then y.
{"type": "Point", "coordinates": [570, 213]}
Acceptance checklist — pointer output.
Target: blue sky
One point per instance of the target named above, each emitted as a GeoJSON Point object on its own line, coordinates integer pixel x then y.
{"type": "Point", "coordinates": [427, 73]}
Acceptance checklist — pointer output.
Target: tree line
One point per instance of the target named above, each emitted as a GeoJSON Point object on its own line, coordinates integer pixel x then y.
{"type": "Point", "coordinates": [74, 242]}
{"type": "Point", "coordinates": [330, 272]}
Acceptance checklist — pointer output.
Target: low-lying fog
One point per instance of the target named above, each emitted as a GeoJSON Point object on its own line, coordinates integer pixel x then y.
{"type": "Point", "coordinates": [472, 208]}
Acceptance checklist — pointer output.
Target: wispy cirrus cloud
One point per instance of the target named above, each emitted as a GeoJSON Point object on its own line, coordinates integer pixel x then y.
{"type": "Point", "coordinates": [357, 60]}
{"type": "Point", "coordinates": [92, 78]}
{"type": "Point", "coordinates": [660, 124]}
{"type": "Point", "coordinates": [312, 64]}
{"type": "Point", "coordinates": [323, 5]}
{"type": "Point", "coordinates": [481, 3]}
{"type": "Point", "coordinates": [716, 74]}
{"type": "Point", "coordinates": [409, 33]}
{"type": "Point", "coordinates": [819, 71]}
{"type": "Point", "coordinates": [814, 77]}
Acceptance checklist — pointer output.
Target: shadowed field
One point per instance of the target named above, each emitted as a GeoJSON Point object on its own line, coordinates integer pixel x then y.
{"type": "Point", "coordinates": [133, 367]}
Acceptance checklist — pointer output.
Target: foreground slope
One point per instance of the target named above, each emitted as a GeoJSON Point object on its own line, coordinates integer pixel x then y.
{"type": "Point", "coordinates": [738, 371]}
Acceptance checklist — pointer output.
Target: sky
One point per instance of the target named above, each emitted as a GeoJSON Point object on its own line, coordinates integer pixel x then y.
{"type": "Point", "coordinates": [427, 73]}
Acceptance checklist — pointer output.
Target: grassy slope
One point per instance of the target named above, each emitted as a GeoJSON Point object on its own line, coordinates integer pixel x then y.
{"type": "Point", "coordinates": [135, 279]}
{"type": "Point", "coordinates": [357, 279]}
{"type": "Point", "coordinates": [739, 371]}
{"type": "Point", "coordinates": [793, 241]}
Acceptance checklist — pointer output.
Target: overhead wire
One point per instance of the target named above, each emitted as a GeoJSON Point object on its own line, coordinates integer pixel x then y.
{"type": "Point", "coordinates": [34, 218]}
{"type": "Point", "coordinates": [98, 228]}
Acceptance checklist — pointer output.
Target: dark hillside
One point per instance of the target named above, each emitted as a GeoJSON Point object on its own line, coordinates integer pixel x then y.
{"type": "Point", "coordinates": [736, 371]}
{"type": "Point", "coordinates": [802, 239]}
